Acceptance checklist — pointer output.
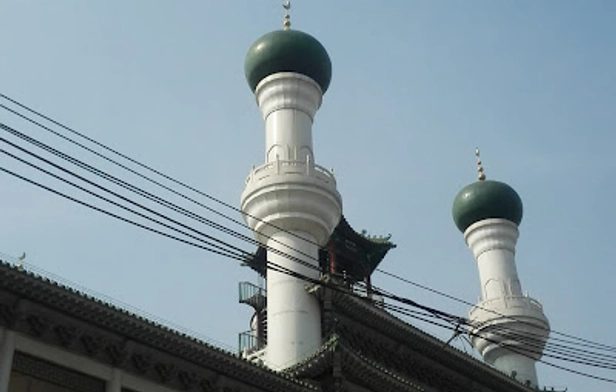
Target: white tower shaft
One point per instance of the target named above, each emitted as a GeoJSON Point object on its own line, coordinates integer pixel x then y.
{"type": "Point", "coordinates": [293, 314]}
{"type": "Point", "coordinates": [293, 206]}
{"type": "Point", "coordinates": [288, 111]}
{"type": "Point", "coordinates": [509, 329]}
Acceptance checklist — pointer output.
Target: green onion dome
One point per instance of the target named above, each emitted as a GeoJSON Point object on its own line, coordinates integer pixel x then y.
{"type": "Point", "coordinates": [484, 200]}
{"type": "Point", "coordinates": [288, 51]}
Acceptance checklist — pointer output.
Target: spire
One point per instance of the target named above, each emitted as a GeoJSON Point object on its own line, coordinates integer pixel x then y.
{"type": "Point", "coordinates": [287, 17]}
{"type": "Point", "coordinates": [481, 176]}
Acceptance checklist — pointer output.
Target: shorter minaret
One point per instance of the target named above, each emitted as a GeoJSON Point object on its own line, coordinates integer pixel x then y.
{"type": "Point", "coordinates": [290, 202]}
{"type": "Point", "coordinates": [508, 328]}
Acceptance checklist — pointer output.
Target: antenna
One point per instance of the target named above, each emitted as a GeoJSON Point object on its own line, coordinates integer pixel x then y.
{"type": "Point", "coordinates": [287, 17]}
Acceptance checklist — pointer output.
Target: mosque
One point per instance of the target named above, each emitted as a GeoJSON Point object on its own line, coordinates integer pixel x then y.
{"type": "Point", "coordinates": [317, 325]}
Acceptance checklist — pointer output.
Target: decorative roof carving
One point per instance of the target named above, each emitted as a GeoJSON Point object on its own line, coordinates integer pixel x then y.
{"type": "Point", "coordinates": [368, 347]}
{"type": "Point", "coordinates": [377, 334]}
{"type": "Point", "coordinates": [60, 316]}
{"type": "Point", "coordinates": [357, 254]}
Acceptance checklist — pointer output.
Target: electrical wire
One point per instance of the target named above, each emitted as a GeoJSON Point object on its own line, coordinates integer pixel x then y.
{"type": "Point", "coordinates": [397, 298]}
{"type": "Point", "coordinates": [123, 219]}
{"type": "Point", "coordinates": [281, 269]}
{"type": "Point", "coordinates": [134, 161]}
{"type": "Point", "coordinates": [152, 197]}
{"type": "Point", "coordinates": [139, 191]}
{"type": "Point", "coordinates": [226, 248]}
{"type": "Point", "coordinates": [389, 295]}
{"type": "Point", "coordinates": [512, 349]}
{"type": "Point", "coordinates": [585, 342]}
{"type": "Point", "coordinates": [124, 156]}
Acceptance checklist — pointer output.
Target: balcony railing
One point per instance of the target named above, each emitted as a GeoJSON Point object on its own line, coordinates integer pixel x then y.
{"type": "Point", "coordinates": [506, 302]}
{"type": "Point", "coordinates": [280, 167]}
{"type": "Point", "coordinates": [249, 342]}
{"type": "Point", "coordinates": [253, 295]}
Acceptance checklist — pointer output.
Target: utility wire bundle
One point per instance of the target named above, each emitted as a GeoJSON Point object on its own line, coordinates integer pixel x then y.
{"type": "Point", "coordinates": [142, 208]}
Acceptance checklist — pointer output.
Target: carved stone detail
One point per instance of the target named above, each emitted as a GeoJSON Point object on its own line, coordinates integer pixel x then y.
{"type": "Point", "coordinates": [165, 371]}
{"type": "Point", "coordinates": [92, 345]}
{"type": "Point", "coordinates": [207, 386]}
{"type": "Point", "coordinates": [107, 335]}
{"type": "Point", "coordinates": [142, 362]}
{"type": "Point", "coordinates": [66, 335]}
{"type": "Point", "coordinates": [118, 355]}
{"type": "Point", "coordinates": [188, 380]}
{"type": "Point", "coordinates": [8, 314]}
{"type": "Point", "coordinates": [37, 325]}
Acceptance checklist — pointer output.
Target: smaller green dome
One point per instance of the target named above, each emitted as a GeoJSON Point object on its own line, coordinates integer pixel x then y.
{"type": "Point", "coordinates": [484, 200]}
{"type": "Point", "coordinates": [288, 51]}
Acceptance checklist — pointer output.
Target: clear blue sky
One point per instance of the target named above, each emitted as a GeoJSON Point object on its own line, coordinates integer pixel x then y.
{"type": "Point", "coordinates": [416, 86]}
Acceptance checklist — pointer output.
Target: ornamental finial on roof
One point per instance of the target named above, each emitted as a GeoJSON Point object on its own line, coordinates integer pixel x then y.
{"type": "Point", "coordinates": [481, 176]}
{"type": "Point", "coordinates": [287, 17]}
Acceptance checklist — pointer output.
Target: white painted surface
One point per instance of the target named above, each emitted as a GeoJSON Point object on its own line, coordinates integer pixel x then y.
{"type": "Point", "coordinates": [492, 242]}
{"type": "Point", "coordinates": [523, 367]}
{"type": "Point", "coordinates": [288, 103]}
{"type": "Point", "coordinates": [287, 197]}
{"type": "Point", "coordinates": [504, 313]}
{"type": "Point", "coordinates": [293, 315]}
{"type": "Point", "coordinates": [7, 348]}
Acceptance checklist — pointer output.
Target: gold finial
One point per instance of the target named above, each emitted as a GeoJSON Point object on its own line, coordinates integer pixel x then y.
{"type": "Point", "coordinates": [287, 17]}
{"type": "Point", "coordinates": [481, 176]}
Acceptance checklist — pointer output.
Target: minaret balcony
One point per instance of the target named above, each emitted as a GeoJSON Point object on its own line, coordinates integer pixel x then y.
{"type": "Point", "coordinates": [499, 323]}
{"type": "Point", "coordinates": [290, 167]}
{"type": "Point", "coordinates": [286, 195]}
{"type": "Point", "coordinates": [504, 307]}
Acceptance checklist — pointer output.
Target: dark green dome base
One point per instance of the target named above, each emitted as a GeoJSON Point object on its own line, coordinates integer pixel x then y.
{"type": "Point", "coordinates": [288, 51]}
{"type": "Point", "coordinates": [484, 200]}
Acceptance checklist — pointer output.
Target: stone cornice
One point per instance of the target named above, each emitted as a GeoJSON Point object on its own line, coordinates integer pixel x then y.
{"type": "Point", "coordinates": [355, 367]}
{"type": "Point", "coordinates": [64, 317]}
{"type": "Point", "coordinates": [453, 366]}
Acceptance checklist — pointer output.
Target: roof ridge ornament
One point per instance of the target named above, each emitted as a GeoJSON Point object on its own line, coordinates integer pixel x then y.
{"type": "Point", "coordinates": [481, 175]}
{"type": "Point", "coordinates": [287, 16]}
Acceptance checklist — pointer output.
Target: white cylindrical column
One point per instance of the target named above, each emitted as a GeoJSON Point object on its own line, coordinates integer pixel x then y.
{"type": "Point", "coordinates": [521, 367]}
{"type": "Point", "coordinates": [493, 242]}
{"type": "Point", "coordinates": [7, 349]}
{"type": "Point", "coordinates": [293, 315]}
{"type": "Point", "coordinates": [509, 329]}
{"type": "Point", "coordinates": [292, 206]}
{"type": "Point", "coordinates": [288, 103]}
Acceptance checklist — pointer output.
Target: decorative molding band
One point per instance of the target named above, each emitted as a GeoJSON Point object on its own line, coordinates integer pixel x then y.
{"type": "Point", "coordinates": [55, 374]}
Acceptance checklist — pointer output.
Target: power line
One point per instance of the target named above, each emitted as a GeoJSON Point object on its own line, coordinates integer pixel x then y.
{"type": "Point", "coordinates": [134, 161]}
{"type": "Point", "coordinates": [389, 295]}
{"type": "Point", "coordinates": [21, 135]}
{"type": "Point", "coordinates": [137, 190]}
{"type": "Point", "coordinates": [551, 364]}
{"type": "Point", "coordinates": [213, 250]}
{"type": "Point", "coordinates": [589, 343]}
{"type": "Point", "coordinates": [124, 156]}
{"type": "Point", "coordinates": [281, 269]}
{"type": "Point", "coordinates": [405, 301]}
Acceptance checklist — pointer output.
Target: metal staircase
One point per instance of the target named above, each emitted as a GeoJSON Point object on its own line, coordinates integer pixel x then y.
{"type": "Point", "coordinates": [254, 339]}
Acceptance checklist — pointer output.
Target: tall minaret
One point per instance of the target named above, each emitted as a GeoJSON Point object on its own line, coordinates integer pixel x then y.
{"type": "Point", "coordinates": [290, 202]}
{"type": "Point", "coordinates": [509, 328]}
